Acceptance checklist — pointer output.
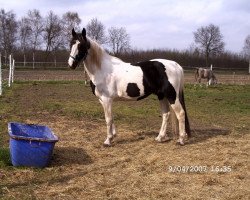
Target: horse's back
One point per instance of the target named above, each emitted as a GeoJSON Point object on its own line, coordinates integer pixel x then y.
{"type": "Point", "coordinates": [161, 73]}
{"type": "Point", "coordinates": [174, 72]}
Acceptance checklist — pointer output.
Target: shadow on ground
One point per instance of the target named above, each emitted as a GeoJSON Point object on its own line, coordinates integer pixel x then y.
{"type": "Point", "coordinates": [201, 135]}
{"type": "Point", "coordinates": [70, 155]}
{"type": "Point", "coordinates": [198, 135]}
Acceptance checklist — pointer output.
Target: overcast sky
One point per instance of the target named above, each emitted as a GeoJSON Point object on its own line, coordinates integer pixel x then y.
{"type": "Point", "coordinates": [153, 23]}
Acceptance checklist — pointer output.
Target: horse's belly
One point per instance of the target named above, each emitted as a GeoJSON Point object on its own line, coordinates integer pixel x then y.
{"type": "Point", "coordinates": [130, 90]}
{"type": "Point", "coordinates": [131, 85]}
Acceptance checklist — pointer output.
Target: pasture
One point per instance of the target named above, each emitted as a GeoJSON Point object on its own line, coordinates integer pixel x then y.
{"type": "Point", "coordinates": [135, 167]}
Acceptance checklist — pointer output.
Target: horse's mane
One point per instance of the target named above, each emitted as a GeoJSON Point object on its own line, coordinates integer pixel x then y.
{"type": "Point", "coordinates": [96, 53]}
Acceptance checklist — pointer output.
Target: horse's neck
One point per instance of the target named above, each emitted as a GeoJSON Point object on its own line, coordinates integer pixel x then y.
{"type": "Point", "coordinates": [97, 61]}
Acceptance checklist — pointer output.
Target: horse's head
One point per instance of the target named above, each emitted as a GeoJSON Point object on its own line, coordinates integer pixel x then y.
{"type": "Point", "coordinates": [79, 47]}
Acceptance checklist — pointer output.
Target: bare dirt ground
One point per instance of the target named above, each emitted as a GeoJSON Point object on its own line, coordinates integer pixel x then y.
{"type": "Point", "coordinates": [79, 75]}
{"type": "Point", "coordinates": [135, 167]}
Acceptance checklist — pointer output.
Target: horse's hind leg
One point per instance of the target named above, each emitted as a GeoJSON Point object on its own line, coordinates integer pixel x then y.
{"type": "Point", "coordinates": [162, 137]}
{"type": "Point", "coordinates": [180, 114]}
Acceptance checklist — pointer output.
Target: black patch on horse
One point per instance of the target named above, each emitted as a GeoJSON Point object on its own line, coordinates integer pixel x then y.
{"type": "Point", "coordinates": [155, 81]}
{"type": "Point", "coordinates": [133, 90]}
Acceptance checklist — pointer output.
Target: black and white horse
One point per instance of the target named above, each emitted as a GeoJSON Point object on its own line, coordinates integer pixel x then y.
{"type": "Point", "coordinates": [112, 78]}
{"type": "Point", "coordinates": [206, 74]}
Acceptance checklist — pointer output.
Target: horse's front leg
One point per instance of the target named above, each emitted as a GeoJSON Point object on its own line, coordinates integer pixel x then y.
{"type": "Point", "coordinates": [107, 106]}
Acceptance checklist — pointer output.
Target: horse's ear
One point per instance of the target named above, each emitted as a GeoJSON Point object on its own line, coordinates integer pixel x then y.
{"type": "Point", "coordinates": [84, 33]}
{"type": "Point", "coordinates": [73, 33]}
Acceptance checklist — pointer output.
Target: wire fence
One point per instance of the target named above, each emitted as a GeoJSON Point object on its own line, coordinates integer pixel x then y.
{"type": "Point", "coordinates": [10, 78]}
{"type": "Point", "coordinates": [80, 75]}
{"type": "Point", "coordinates": [64, 66]}
{"type": "Point", "coordinates": [58, 71]}
{"type": "Point", "coordinates": [38, 65]}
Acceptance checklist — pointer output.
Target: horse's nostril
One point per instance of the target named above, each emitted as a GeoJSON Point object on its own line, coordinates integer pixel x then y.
{"type": "Point", "coordinates": [72, 67]}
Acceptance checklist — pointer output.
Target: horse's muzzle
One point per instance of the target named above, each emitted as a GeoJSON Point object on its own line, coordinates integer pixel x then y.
{"type": "Point", "coordinates": [73, 65]}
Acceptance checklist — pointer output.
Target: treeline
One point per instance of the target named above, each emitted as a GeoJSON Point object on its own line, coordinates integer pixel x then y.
{"type": "Point", "coordinates": [35, 38]}
{"type": "Point", "coordinates": [188, 58]}
{"type": "Point", "coordinates": [185, 58]}
{"type": "Point", "coordinates": [34, 33]}
{"type": "Point", "coordinates": [51, 34]}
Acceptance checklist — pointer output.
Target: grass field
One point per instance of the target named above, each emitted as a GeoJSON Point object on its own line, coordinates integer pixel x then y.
{"type": "Point", "coordinates": [135, 167]}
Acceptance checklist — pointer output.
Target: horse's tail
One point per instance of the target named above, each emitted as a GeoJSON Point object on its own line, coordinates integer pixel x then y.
{"type": "Point", "coordinates": [187, 125]}
{"type": "Point", "coordinates": [174, 120]}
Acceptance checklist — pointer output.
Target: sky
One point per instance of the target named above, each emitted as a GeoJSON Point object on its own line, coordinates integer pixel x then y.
{"type": "Point", "coordinates": [153, 24]}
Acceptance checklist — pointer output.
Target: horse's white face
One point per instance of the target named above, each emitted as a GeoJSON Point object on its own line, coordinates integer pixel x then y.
{"type": "Point", "coordinates": [79, 46]}
{"type": "Point", "coordinates": [73, 53]}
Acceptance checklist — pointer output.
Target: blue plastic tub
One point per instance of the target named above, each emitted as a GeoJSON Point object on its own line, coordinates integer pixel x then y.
{"type": "Point", "coordinates": [31, 145]}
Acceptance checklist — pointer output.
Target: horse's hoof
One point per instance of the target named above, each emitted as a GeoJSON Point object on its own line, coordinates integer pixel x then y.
{"type": "Point", "coordinates": [107, 145]}
{"type": "Point", "coordinates": [158, 139]}
{"type": "Point", "coordinates": [162, 139]}
{"type": "Point", "coordinates": [180, 144]}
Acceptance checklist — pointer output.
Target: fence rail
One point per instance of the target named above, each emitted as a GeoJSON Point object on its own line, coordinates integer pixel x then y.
{"type": "Point", "coordinates": [42, 71]}
{"type": "Point", "coordinates": [41, 65]}
{"type": "Point", "coordinates": [78, 74]}
{"type": "Point", "coordinates": [64, 65]}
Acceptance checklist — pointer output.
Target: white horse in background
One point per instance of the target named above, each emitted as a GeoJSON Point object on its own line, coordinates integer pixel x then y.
{"type": "Point", "coordinates": [206, 74]}
{"type": "Point", "coordinates": [112, 78]}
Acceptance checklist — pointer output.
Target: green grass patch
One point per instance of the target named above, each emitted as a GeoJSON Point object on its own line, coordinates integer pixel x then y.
{"type": "Point", "coordinates": [222, 104]}
{"type": "Point", "coordinates": [4, 157]}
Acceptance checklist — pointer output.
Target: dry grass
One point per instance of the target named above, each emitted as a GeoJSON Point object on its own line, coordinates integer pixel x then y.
{"type": "Point", "coordinates": [135, 167]}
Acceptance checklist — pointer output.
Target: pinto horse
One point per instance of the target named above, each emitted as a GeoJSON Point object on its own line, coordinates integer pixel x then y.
{"type": "Point", "coordinates": [112, 78]}
{"type": "Point", "coordinates": [206, 74]}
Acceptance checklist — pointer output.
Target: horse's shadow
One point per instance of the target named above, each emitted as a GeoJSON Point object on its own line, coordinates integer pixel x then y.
{"type": "Point", "coordinates": [198, 135]}
{"type": "Point", "coordinates": [64, 156]}
{"type": "Point", "coordinates": [138, 137]}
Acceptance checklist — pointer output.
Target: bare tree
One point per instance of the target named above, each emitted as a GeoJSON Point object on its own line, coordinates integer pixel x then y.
{"type": "Point", "coordinates": [118, 40]}
{"type": "Point", "coordinates": [70, 20]}
{"type": "Point", "coordinates": [53, 33]}
{"type": "Point", "coordinates": [210, 41]}
{"type": "Point", "coordinates": [24, 37]}
{"type": "Point", "coordinates": [246, 50]}
{"type": "Point", "coordinates": [36, 24]}
{"type": "Point", "coordinates": [24, 34]}
{"type": "Point", "coordinates": [8, 30]}
{"type": "Point", "coordinates": [96, 31]}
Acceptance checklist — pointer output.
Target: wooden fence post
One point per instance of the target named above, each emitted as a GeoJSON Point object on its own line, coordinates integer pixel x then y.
{"type": "Point", "coordinates": [1, 85]}
{"type": "Point", "coordinates": [10, 70]}
{"type": "Point", "coordinates": [249, 66]}
{"type": "Point", "coordinates": [233, 77]}
{"type": "Point", "coordinates": [33, 60]}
